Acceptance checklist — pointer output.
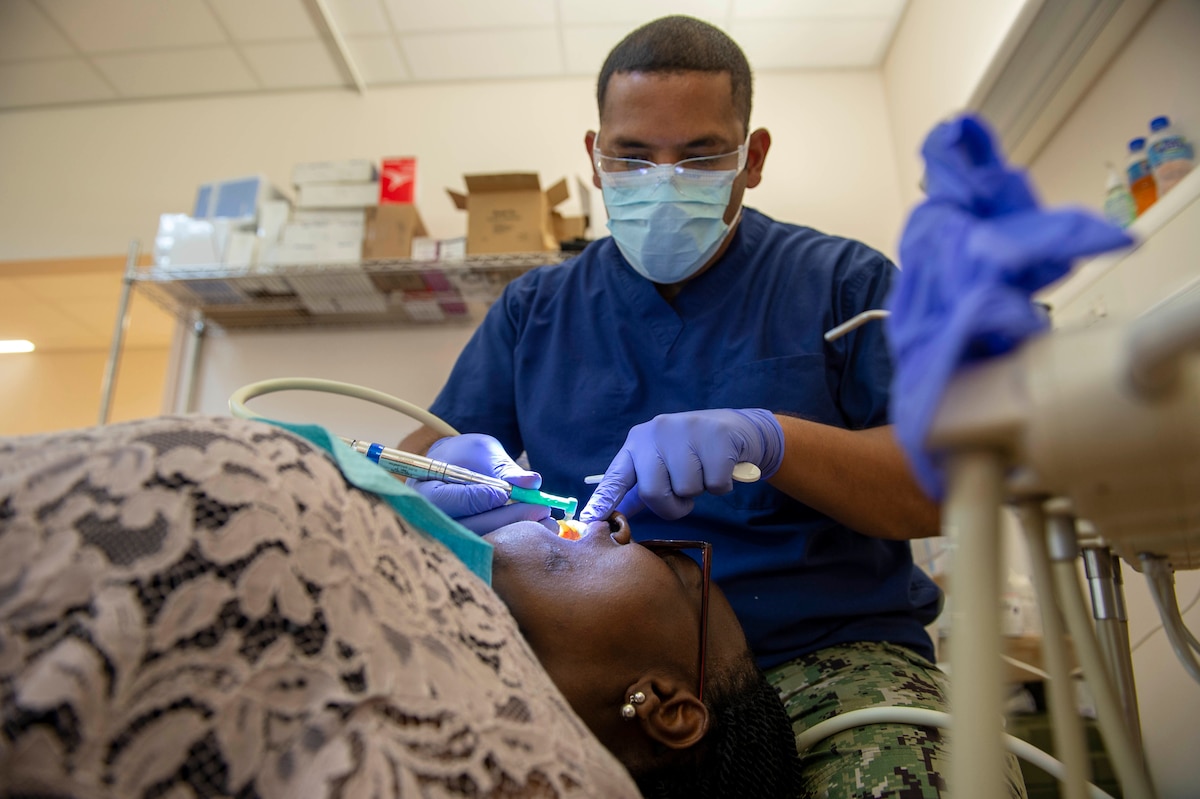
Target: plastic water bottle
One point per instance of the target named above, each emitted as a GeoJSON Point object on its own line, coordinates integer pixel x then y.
{"type": "Point", "coordinates": [1141, 178]}
{"type": "Point", "coordinates": [1118, 202]}
{"type": "Point", "coordinates": [1171, 155]}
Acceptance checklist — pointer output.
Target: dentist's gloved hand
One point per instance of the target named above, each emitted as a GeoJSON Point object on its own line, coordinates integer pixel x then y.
{"type": "Point", "coordinates": [971, 256]}
{"type": "Point", "coordinates": [674, 457]}
{"type": "Point", "coordinates": [482, 509]}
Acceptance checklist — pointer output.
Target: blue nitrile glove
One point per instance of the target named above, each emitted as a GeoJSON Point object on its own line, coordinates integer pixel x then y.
{"type": "Point", "coordinates": [971, 256]}
{"type": "Point", "coordinates": [676, 456]}
{"type": "Point", "coordinates": [482, 509]}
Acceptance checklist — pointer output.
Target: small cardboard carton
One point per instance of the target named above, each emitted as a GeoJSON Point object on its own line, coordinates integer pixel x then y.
{"type": "Point", "coordinates": [390, 231]}
{"type": "Point", "coordinates": [574, 228]}
{"type": "Point", "coordinates": [509, 212]}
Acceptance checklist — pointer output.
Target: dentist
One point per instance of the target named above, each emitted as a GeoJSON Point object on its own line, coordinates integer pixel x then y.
{"type": "Point", "coordinates": [689, 341]}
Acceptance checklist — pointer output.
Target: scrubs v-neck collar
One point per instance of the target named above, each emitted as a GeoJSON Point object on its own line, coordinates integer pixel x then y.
{"type": "Point", "coordinates": [666, 320]}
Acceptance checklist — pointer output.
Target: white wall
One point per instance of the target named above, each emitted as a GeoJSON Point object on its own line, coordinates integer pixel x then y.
{"type": "Point", "coordinates": [83, 181]}
{"type": "Point", "coordinates": [1158, 72]}
{"type": "Point", "coordinates": [941, 52]}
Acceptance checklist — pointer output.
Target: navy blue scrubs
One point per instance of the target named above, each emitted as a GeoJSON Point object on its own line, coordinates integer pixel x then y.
{"type": "Point", "coordinates": [573, 355]}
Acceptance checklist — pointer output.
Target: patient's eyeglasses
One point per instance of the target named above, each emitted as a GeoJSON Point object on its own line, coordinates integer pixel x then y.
{"type": "Point", "coordinates": [660, 548]}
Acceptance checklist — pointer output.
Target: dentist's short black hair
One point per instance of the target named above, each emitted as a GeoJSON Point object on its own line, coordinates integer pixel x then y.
{"type": "Point", "coordinates": [680, 44]}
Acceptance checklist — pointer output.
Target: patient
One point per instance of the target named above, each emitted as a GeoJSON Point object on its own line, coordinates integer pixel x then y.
{"type": "Point", "coordinates": [620, 626]}
{"type": "Point", "coordinates": [205, 607]}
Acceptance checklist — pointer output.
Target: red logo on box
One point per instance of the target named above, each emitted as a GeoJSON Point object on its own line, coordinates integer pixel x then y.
{"type": "Point", "coordinates": [397, 180]}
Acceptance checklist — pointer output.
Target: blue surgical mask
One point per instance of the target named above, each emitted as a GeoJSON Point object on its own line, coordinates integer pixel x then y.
{"type": "Point", "coordinates": [668, 220]}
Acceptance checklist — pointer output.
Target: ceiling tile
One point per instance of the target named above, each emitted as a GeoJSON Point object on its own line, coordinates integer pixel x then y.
{"type": "Point", "coordinates": [68, 80]}
{"type": "Point", "coordinates": [813, 44]}
{"type": "Point", "coordinates": [801, 9]}
{"type": "Point", "coordinates": [116, 25]}
{"type": "Point", "coordinates": [359, 17]}
{"type": "Point", "coordinates": [587, 47]}
{"type": "Point", "coordinates": [483, 56]}
{"type": "Point", "coordinates": [378, 59]}
{"type": "Point", "coordinates": [26, 33]}
{"type": "Point", "coordinates": [634, 13]}
{"type": "Point", "coordinates": [422, 15]}
{"type": "Point", "coordinates": [264, 20]}
{"type": "Point", "coordinates": [293, 65]}
{"type": "Point", "coordinates": [164, 74]}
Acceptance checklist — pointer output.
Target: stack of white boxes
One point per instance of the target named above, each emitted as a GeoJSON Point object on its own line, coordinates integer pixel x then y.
{"type": "Point", "coordinates": [220, 231]}
{"type": "Point", "coordinates": [326, 228]}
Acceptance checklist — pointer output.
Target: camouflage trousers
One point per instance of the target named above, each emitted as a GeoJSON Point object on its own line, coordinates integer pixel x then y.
{"type": "Point", "coordinates": [879, 760]}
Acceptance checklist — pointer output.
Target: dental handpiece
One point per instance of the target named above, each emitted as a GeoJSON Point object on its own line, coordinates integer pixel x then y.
{"type": "Point", "coordinates": [419, 467]}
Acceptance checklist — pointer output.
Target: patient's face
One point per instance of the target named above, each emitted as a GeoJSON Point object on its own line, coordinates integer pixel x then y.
{"type": "Point", "coordinates": [602, 610]}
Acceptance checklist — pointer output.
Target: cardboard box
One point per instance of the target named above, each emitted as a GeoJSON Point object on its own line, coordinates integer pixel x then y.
{"type": "Point", "coordinates": [509, 212]}
{"type": "Point", "coordinates": [351, 170]}
{"type": "Point", "coordinates": [568, 228]}
{"type": "Point", "coordinates": [390, 231]}
{"type": "Point", "coordinates": [337, 195]}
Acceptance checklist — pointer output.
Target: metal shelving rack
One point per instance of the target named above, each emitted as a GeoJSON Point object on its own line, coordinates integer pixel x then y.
{"type": "Point", "coordinates": [394, 293]}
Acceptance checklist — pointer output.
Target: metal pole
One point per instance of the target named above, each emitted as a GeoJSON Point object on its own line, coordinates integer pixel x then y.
{"type": "Point", "coordinates": [108, 386]}
{"type": "Point", "coordinates": [1069, 742]}
{"type": "Point", "coordinates": [1112, 628]}
{"type": "Point", "coordinates": [971, 518]}
{"type": "Point", "coordinates": [191, 363]}
{"type": "Point", "coordinates": [1127, 760]}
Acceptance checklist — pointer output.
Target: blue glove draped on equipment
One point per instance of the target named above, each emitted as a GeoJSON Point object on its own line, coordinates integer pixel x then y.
{"type": "Point", "coordinates": [674, 457]}
{"type": "Point", "coordinates": [482, 509]}
{"type": "Point", "coordinates": [972, 255]}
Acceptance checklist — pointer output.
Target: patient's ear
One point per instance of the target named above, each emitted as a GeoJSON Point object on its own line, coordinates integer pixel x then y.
{"type": "Point", "coordinates": [671, 714]}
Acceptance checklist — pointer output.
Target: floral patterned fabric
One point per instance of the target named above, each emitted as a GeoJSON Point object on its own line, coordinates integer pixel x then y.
{"type": "Point", "coordinates": [204, 607]}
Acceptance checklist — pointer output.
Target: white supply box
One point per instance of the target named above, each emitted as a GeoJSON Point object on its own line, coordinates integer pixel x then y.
{"type": "Point", "coordinates": [337, 195]}
{"type": "Point", "coordinates": [353, 170]}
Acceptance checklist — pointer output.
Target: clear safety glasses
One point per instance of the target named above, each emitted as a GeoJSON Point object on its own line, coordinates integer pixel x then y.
{"type": "Point", "coordinates": [667, 550]}
{"type": "Point", "coordinates": [610, 167]}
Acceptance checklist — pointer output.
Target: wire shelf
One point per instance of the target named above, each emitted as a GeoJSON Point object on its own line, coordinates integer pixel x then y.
{"type": "Point", "coordinates": [377, 292]}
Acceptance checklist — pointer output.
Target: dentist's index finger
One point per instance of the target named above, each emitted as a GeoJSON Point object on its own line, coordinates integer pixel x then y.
{"type": "Point", "coordinates": [616, 482]}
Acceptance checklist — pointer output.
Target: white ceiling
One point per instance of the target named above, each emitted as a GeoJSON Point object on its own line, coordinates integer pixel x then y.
{"type": "Point", "coordinates": [59, 52]}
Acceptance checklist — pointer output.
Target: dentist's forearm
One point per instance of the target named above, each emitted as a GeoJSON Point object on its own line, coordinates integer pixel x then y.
{"type": "Point", "coordinates": [858, 477]}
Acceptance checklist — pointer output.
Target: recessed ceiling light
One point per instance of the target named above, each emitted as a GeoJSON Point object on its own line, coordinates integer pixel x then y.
{"type": "Point", "coordinates": [16, 345]}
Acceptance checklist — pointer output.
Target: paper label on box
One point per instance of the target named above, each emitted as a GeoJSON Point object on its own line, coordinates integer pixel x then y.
{"type": "Point", "coordinates": [397, 180]}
